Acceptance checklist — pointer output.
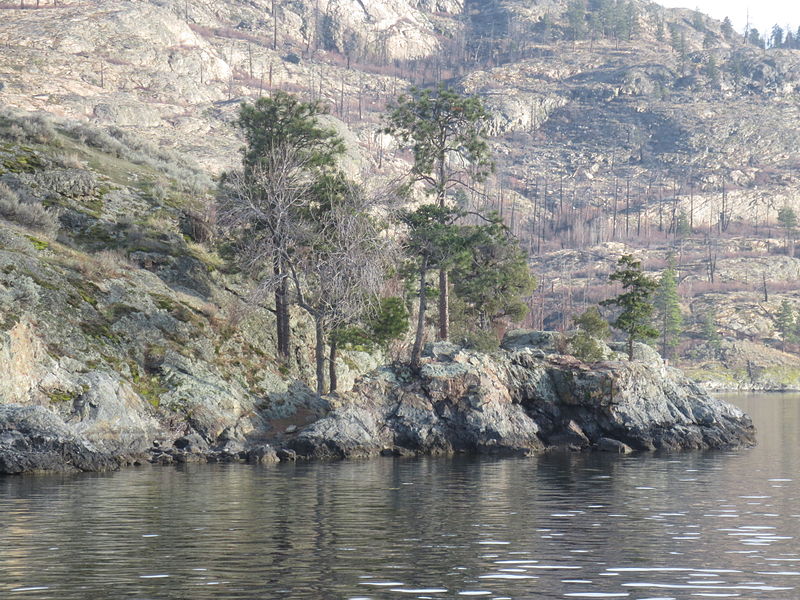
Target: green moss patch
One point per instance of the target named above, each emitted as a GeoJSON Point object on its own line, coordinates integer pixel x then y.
{"type": "Point", "coordinates": [66, 397]}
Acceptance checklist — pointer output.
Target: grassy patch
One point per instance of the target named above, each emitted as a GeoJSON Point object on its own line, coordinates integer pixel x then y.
{"type": "Point", "coordinates": [38, 244]}
{"type": "Point", "coordinates": [150, 389]}
{"type": "Point", "coordinates": [118, 310]}
{"type": "Point", "coordinates": [22, 163]}
{"type": "Point", "coordinates": [784, 375]}
{"type": "Point", "coordinates": [86, 290]}
{"type": "Point", "coordinates": [98, 331]}
{"type": "Point", "coordinates": [9, 320]}
{"type": "Point", "coordinates": [719, 373]}
{"type": "Point", "coordinates": [178, 310]}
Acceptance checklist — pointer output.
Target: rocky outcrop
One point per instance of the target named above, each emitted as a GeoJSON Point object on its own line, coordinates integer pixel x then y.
{"type": "Point", "coordinates": [33, 439]}
{"type": "Point", "coordinates": [117, 330]}
{"type": "Point", "coordinates": [522, 400]}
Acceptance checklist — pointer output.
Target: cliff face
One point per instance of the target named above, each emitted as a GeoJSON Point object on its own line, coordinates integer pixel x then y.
{"type": "Point", "coordinates": [175, 71]}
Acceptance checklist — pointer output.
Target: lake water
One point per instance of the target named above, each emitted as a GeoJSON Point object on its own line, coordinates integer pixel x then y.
{"type": "Point", "coordinates": [705, 525]}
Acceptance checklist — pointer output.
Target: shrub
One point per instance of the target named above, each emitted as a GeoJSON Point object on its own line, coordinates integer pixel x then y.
{"type": "Point", "coordinates": [27, 214]}
{"type": "Point", "coordinates": [480, 340]}
{"type": "Point", "coordinates": [200, 225]}
{"type": "Point", "coordinates": [37, 128]}
{"type": "Point", "coordinates": [68, 160]}
{"type": "Point", "coordinates": [592, 323]}
{"type": "Point", "coordinates": [104, 264]}
{"type": "Point", "coordinates": [585, 347]}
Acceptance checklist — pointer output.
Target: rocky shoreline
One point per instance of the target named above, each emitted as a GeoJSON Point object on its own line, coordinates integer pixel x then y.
{"type": "Point", "coordinates": [522, 400]}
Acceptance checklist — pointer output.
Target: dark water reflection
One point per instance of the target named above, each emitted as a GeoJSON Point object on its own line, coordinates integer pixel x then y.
{"type": "Point", "coordinates": [715, 524]}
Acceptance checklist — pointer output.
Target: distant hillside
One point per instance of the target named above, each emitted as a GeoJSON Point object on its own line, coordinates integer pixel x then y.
{"type": "Point", "coordinates": [617, 126]}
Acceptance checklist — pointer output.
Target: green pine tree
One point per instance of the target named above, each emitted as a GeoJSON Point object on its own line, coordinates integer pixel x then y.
{"type": "Point", "coordinates": [786, 323]}
{"type": "Point", "coordinates": [273, 127]}
{"type": "Point", "coordinates": [788, 220]}
{"type": "Point", "coordinates": [636, 302]}
{"type": "Point", "coordinates": [591, 328]}
{"type": "Point", "coordinates": [668, 310]}
{"type": "Point", "coordinates": [445, 131]}
{"type": "Point", "coordinates": [698, 22]}
{"type": "Point", "coordinates": [660, 29]}
{"type": "Point", "coordinates": [593, 323]}
{"type": "Point", "coordinates": [576, 19]}
{"type": "Point", "coordinates": [709, 331]}
{"type": "Point", "coordinates": [390, 322]}
{"type": "Point", "coordinates": [726, 29]}
{"type": "Point", "coordinates": [712, 72]}
{"type": "Point", "coordinates": [493, 277]}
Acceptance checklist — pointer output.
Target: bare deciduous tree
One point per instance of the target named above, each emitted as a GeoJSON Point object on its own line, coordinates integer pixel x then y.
{"type": "Point", "coordinates": [260, 209]}
{"type": "Point", "coordinates": [342, 269]}
{"type": "Point", "coordinates": [317, 244]}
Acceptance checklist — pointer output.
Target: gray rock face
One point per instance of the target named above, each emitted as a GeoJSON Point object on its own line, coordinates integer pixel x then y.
{"type": "Point", "coordinates": [520, 401]}
{"type": "Point", "coordinates": [34, 439]}
{"type": "Point", "coordinates": [517, 402]}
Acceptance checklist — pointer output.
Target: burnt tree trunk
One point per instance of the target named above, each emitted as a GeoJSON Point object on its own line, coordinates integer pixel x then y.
{"type": "Point", "coordinates": [319, 354]}
{"type": "Point", "coordinates": [282, 314]}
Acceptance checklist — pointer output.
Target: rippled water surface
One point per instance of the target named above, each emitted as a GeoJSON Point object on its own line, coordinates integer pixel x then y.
{"type": "Point", "coordinates": [714, 524]}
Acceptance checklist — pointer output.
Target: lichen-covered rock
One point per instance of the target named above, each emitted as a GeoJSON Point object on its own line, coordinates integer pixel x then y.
{"type": "Point", "coordinates": [521, 400]}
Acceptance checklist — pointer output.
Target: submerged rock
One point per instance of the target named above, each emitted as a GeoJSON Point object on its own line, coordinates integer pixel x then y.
{"type": "Point", "coordinates": [521, 400]}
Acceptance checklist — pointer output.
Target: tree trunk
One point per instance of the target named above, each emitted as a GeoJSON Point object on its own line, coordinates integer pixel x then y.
{"type": "Point", "coordinates": [444, 305]}
{"type": "Point", "coordinates": [444, 296]}
{"type": "Point", "coordinates": [416, 351]}
{"type": "Point", "coordinates": [274, 27]}
{"type": "Point", "coordinates": [319, 355]}
{"type": "Point", "coordinates": [282, 315]}
{"type": "Point", "coordinates": [630, 348]}
{"type": "Point", "coordinates": [334, 383]}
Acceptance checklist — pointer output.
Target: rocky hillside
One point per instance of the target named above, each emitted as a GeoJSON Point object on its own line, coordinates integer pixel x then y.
{"type": "Point", "coordinates": [174, 72]}
{"type": "Point", "coordinates": [621, 127]}
{"type": "Point", "coordinates": [115, 313]}
{"type": "Point", "coordinates": [749, 353]}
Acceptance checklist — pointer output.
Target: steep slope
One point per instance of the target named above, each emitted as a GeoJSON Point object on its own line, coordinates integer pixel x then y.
{"type": "Point", "coordinates": [174, 71]}
{"type": "Point", "coordinates": [116, 313]}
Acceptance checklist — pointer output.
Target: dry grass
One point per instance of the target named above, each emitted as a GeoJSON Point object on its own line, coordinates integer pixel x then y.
{"type": "Point", "coordinates": [105, 264]}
